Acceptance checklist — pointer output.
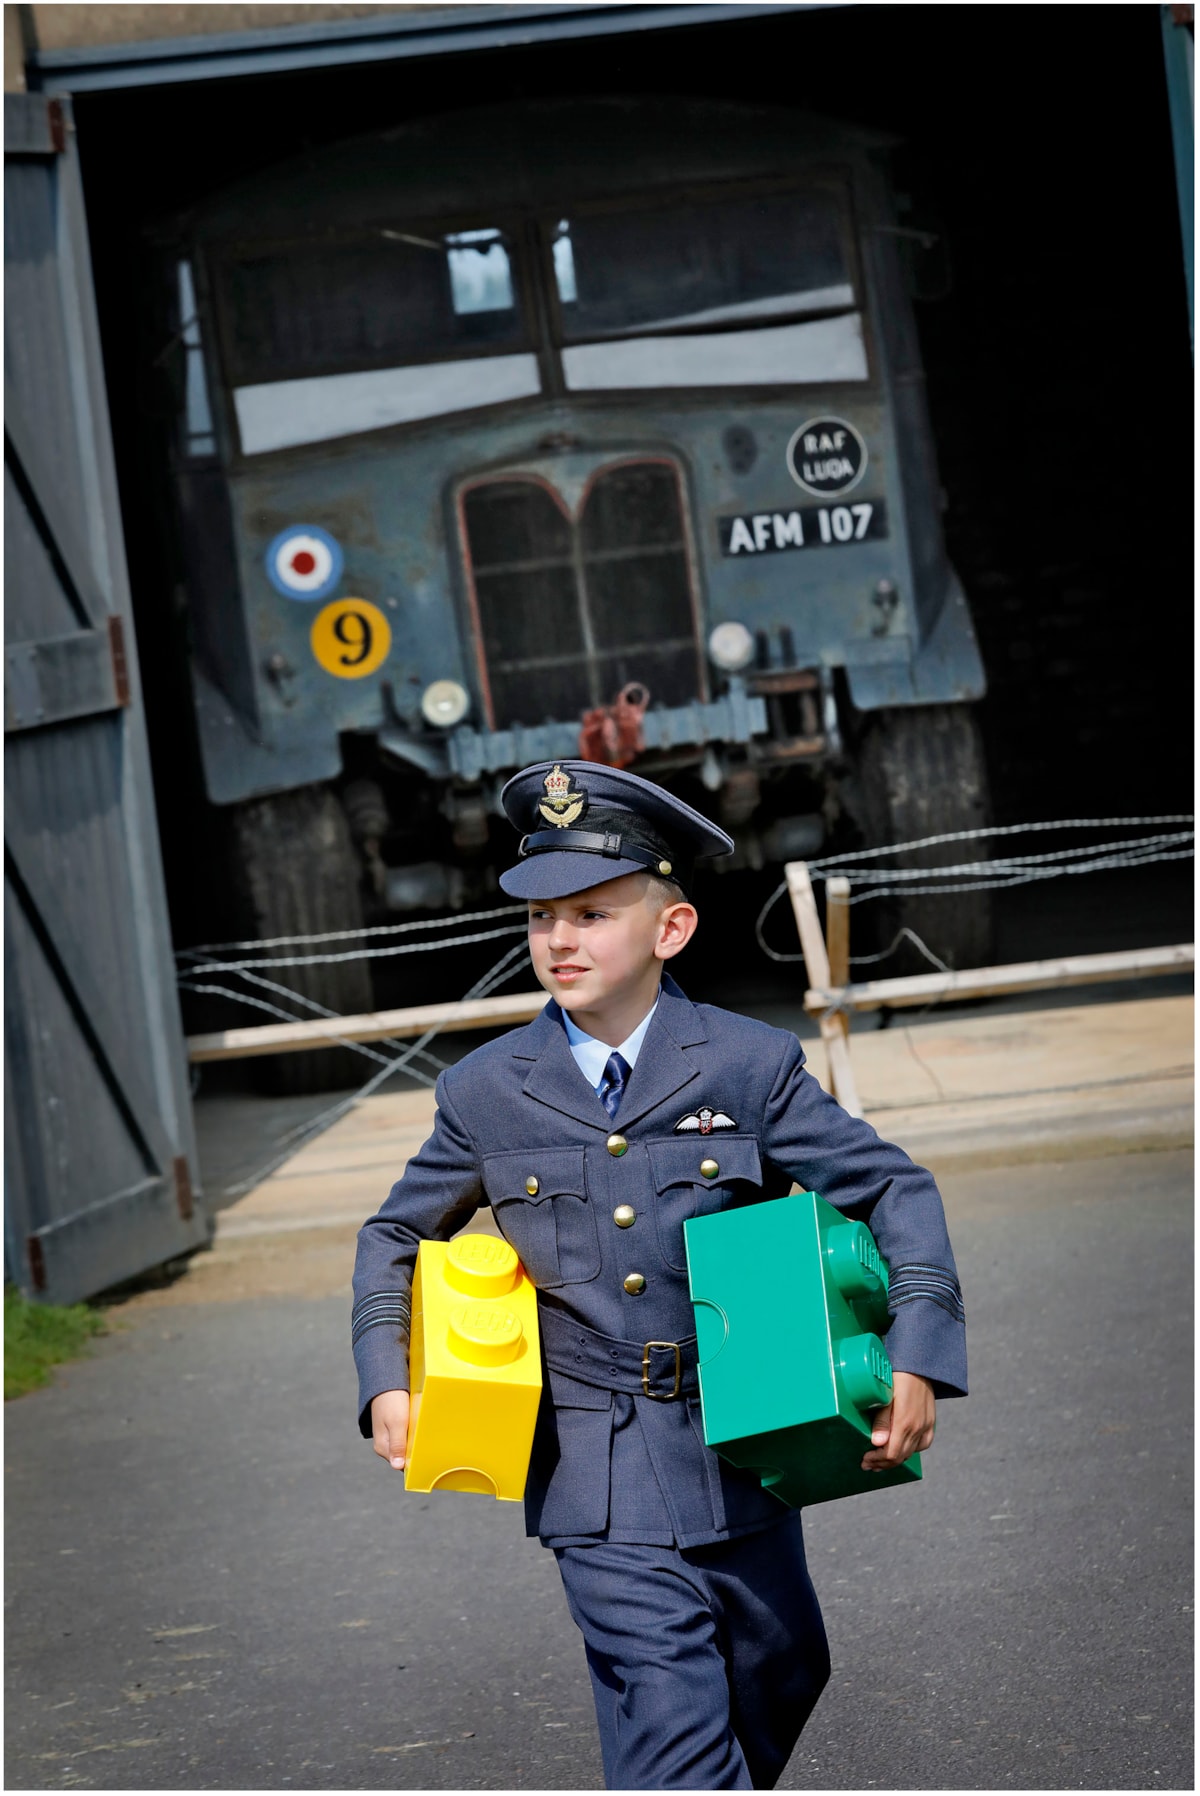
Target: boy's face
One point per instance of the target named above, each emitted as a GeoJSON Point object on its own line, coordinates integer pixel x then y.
{"type": "Point", "coordinates": [599, 953]}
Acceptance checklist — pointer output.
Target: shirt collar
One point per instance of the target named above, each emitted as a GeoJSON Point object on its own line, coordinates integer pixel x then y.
{"type": "Point", "coordinates": [592, 1055]}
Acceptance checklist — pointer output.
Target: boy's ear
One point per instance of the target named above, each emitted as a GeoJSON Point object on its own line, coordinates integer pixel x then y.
{"type": "Point", "coordinates": [677, 925]}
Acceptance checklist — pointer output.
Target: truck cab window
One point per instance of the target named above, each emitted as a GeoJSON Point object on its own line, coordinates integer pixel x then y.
{"type": "Point", "coordinates": [393, 298]}
{"type": "Point", "coordinates": [333, 339]}
{"type": "Point", "coordinates": [754, 259]}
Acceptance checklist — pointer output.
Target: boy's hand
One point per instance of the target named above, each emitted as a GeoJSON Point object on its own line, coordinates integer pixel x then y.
{"type": "Point", "coordinates": [389, 1426]}
{"type": "Point", "coordinates": [904, 1426]}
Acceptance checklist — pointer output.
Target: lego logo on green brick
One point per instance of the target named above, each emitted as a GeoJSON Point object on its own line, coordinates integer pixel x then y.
{"type": "Point", "coordinates": [866, 1371]}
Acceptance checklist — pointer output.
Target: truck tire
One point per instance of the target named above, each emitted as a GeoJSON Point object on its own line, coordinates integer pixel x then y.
{"type": "Point", "coordinates": [922, 773]}
{"type": "Point", "coordinates": [296, 872]}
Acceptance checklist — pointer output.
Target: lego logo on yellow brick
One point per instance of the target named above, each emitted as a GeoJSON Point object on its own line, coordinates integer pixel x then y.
{"type": "Point", "coordinates": [481, 1266]}
{"type": "Point", "coordinates": [486, 1334]}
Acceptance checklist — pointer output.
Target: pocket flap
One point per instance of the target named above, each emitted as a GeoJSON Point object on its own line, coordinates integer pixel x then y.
{"type": "Point", "coordinates": [677, 1162]}
{"type": "Point", "coordinates": [534, 1174]}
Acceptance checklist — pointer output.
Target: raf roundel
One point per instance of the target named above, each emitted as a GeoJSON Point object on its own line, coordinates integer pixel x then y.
{"type": "Point", "coordinates": [304, 562]}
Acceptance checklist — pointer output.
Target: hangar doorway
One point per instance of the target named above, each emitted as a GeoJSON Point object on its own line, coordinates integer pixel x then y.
{"type": "Point", "coordinates": [1051, 310]}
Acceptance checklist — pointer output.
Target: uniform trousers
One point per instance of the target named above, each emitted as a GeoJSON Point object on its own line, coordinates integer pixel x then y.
{"type": "Point", "coordinates": [705, 1661]}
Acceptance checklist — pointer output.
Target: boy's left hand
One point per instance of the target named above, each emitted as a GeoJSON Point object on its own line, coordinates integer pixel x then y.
{"type": "Point", "coordinates": [902, 1427]}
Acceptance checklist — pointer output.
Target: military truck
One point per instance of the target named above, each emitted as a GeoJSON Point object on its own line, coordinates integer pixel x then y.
{"type": "Point", "coordinates": [555, 429]}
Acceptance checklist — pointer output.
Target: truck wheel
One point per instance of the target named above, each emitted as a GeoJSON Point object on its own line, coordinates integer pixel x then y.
{"type": "Point", "coordinates": [296, 872]}
{"type": "Point", "coordinates": [922, 773]}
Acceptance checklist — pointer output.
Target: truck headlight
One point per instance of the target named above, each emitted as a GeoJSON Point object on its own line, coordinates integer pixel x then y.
{"type": "Point", "coordinates": [731, 647]}
{"type": "Point", "coordinates": [445, 703]}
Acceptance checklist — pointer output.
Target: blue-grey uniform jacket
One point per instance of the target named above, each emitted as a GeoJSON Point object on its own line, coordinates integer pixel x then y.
{"type": "Point", "coordinates": [519, 1127]}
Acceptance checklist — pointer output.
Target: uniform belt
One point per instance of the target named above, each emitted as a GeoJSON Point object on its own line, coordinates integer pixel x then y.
{"type": "Point", "coordinates": [659, 1369]}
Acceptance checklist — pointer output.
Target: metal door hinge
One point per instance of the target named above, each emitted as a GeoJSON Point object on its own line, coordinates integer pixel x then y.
{"type": "Point", "coordinates": [183, 1187]}
{"type": "Point", "coordinates": [37, 1262]}
{"type": "Point", "coordinates": [116, 642]}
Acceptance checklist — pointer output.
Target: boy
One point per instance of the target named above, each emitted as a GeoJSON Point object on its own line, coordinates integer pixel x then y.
{"type": "Point", "coordinates": [585, 1133]}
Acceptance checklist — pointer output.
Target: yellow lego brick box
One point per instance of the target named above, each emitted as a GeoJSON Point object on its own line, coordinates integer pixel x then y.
{"type": "Point", "coordinates": [475, 1368]}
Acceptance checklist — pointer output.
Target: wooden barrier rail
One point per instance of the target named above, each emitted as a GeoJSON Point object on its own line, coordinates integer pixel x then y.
{"type": "Point", "coordinates": [997, 982]}
{"type": "Point", "coordinates": [831, 995]}
{"type": "Point", "coordinates": [377, 1025]}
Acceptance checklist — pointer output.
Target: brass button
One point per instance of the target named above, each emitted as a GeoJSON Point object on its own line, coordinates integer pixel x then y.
{"type": "Point", "coordinates": [709, 1168]}
{"type": "Point", "coordinates": [532, 1186]}
{"type": "Point", "coordinates": [624, 1216]}
{"type": "Point", "coordinates": [664, 868]}
{"type": "Point", "coordinates": [635, 1284]}
{"type": "Point", "coordinates": [617, 1145]}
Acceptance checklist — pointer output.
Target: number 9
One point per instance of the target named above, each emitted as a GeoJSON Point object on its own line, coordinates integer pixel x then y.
{"type": "Point", "coordinates": [351, 638]}
{"type": "Point", "coordinates": [360, 639]}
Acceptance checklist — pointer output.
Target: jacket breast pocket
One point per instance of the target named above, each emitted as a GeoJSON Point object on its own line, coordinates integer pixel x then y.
{"type": "Point", "coordinates": [540, 1202]}
{"type": "Point", "coordinates": [683, 1190]}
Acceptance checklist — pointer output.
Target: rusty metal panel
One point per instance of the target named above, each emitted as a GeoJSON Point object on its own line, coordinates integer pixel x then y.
{"type": "Point", "coordinates": [34, 126]}
{"type": "Point", "coordinates": [100, 1158]}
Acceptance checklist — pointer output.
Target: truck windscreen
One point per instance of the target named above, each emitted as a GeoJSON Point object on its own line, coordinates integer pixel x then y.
{"type": "Point", "coordinates": [395, 298]}
{"type": "Point", "coordinates": [690, 265]}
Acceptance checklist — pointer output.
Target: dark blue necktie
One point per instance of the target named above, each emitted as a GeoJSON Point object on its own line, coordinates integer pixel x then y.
{"type": "Point", "coordinates": [612, 1086]}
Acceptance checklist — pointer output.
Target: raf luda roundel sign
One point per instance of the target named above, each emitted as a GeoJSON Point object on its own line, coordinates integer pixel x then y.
{"type": "Point", "coordinates": [827, 457]}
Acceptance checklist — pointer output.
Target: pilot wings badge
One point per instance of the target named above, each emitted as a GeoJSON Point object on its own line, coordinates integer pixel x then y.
{"type": "Point", "coordinates": [703, 1121]}
{"type": "Point", "coordinates": [561, 806]}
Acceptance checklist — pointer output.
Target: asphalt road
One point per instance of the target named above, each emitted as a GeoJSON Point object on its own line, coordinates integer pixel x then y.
{"type": "Point", "coordinates": [212, 1584]}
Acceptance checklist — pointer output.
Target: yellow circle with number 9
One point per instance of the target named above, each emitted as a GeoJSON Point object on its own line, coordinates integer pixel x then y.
{"type": "Point", "coordinates": [351, 638]}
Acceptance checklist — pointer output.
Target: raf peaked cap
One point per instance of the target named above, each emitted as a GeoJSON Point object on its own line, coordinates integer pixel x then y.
{"type": "Point", "coordinates": [582, 823]}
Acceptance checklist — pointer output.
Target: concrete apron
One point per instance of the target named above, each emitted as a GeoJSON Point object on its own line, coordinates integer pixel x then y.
{"type": "Point", "coordinates": [957, 1091]}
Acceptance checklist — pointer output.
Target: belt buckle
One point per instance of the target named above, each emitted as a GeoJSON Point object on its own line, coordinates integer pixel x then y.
{"type": "Point", "coordinates": [657, 1396]}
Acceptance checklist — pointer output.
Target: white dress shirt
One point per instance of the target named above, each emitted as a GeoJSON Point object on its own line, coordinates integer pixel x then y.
{"type": "Point", "coordinates": [591, 1056]}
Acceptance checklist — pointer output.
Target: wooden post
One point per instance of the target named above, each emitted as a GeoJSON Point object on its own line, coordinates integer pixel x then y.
{"type": "Point", "coordinates": [816, 961]}
{"type": "Point", "coordinates": [837, 937]}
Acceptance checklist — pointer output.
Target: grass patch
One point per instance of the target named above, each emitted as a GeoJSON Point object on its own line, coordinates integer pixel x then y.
{"type": "Point", "coordinates": [40, 1335]}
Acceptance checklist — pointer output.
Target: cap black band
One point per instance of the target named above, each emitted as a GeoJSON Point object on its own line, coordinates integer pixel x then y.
{"type": "Point", "coordinates": [611, 846]}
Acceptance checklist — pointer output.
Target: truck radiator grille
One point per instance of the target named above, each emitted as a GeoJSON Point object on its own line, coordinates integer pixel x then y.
{"type": "Point", "coordinates": [571, 611]}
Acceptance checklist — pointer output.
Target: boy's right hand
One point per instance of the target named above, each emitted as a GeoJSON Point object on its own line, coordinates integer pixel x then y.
{"type": "Point", "coordinates": [389, 1427]}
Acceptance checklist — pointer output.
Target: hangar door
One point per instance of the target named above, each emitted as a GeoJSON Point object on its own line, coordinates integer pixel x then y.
{"type": "Point", "coordinates": [99, 1158]}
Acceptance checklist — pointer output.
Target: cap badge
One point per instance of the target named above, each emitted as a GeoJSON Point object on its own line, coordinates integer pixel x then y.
{"type": "Point", "coordinates": [703, 1121]}
{"type": "Point", "coordinates": [561, 806]}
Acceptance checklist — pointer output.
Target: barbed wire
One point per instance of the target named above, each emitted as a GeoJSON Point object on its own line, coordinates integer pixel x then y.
{"type": "Point", "coordinates": [1016, 877]}
{"type": "Point", "coordinates": [200, 950]}
{"type": "Point", "coordinates": [196, 964]}
{"type": "Point", "coordinates": [1019, 869]}
{"type": "Point", "coordinates": [326, 960]}
{"type": "Point", "coordinates": [994, 829]}
{"type": "Point", "coordinates": [863, 960]}
{"type": "Point", "coordinates": [293, 1139]}
{"type": "Point", "coordinates": [289, 1016]}
{"type": "Point", "coordinates": [992, 874]}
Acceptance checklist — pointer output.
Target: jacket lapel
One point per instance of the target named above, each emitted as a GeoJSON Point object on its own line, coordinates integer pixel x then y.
{"type": "Point", "coordinates": [555, 1078]}
{"type": "Point", "coordinates": [663, 1068]}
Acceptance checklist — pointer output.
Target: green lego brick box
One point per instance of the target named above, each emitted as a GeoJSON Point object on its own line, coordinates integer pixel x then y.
{"type": "Point", "coordinates": [791, 1300]}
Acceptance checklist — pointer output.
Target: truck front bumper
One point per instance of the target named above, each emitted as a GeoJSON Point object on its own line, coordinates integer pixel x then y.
{"type": "Point", "coordinates": [467, 754]}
